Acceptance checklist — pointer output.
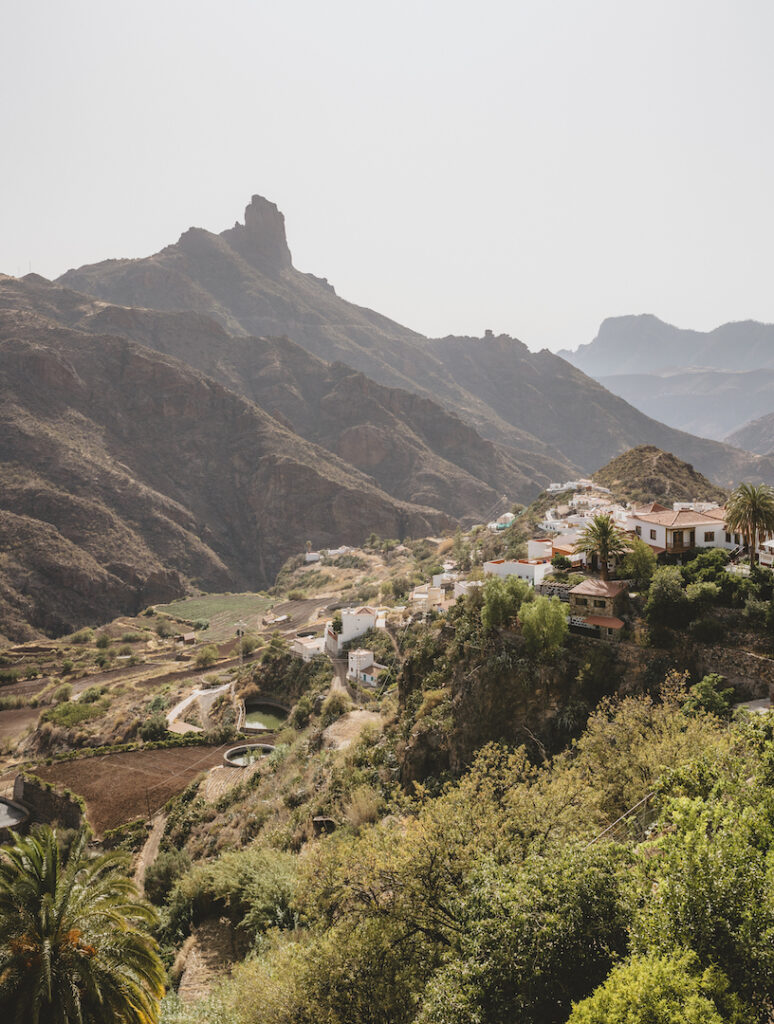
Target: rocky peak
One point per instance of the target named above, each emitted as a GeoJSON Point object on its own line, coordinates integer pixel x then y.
{"type": "Point", "coordinates": [261, 240]}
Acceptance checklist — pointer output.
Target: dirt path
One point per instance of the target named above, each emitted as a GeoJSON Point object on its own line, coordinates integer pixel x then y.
{"type": "Point", "coordinates": [150, 851]}
{"type": "Point", "coordinates": [209, 953]}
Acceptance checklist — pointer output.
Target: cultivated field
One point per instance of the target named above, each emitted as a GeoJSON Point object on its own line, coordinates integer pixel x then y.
{"type": "Point", "coordinates": [222, 611]}
{"type": "Point", "coordinates": [120, 787]}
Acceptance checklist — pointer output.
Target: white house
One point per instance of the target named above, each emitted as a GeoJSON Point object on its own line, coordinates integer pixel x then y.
{"type": "Point", "coordinates": [337, 552]}
{"type": "Point", "coordinates": [427, 596]}
{"type": "Point", "coordinates": [680, 530]}
{"type": "Point", "coordinates": [307, 647]}
{"type": "Point", "coordinates": [362, 667]}
{"type": "Point", "coordinates": [531, 570]}
{"type": "Point", "coordinates": [312, 556]}
{"type": "Point", "coordinates": [462, 587]}
{"type": "Point", "coordinates": [540, 548]}
{"type": "Point", "coordinates": [445, 579]}
{"type": "Point", "coordinates": [354, 623]}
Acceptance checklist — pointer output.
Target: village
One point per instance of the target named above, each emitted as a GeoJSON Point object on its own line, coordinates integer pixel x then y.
{"type": "Point", "coordinates": [557, 553]}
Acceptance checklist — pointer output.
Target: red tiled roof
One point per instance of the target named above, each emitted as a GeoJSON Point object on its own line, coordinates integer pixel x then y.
{"type": "Point", "coordinates": [607, 622]}
{"type": "Point", "coordinates": [685, 519]}
{"type": "Point", "coordinates": [599, 588]}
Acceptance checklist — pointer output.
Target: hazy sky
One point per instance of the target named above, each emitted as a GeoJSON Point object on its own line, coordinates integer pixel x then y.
{"type": "Point", "coordinates": [525, 167]}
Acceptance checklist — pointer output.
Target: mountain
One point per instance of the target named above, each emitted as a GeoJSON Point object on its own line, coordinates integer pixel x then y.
{"type": "Point", "coordinates": [412, 447]}
{"type": "Point", "coordinates": [708, 383]}
{"type": "Point", "coordinates": [755, 436]}
{"type": "Point", "coordinates": [546, 410]}
{"type": "Point", "coordinates": [646, 473]}
{"type": "Point", "coordinates": [645, 344]}
{"type": "Point", "coordinates": [127, 476]}
{"type": "Point", "coordinates": [711, 403]}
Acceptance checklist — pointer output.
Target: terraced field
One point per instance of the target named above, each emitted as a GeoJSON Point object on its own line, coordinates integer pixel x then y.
{"type": "Point", "coordinates": [222, 611]}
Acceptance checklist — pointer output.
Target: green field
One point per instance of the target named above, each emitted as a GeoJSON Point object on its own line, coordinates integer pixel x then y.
{"type": "Point", "coordinates": [222, 611]}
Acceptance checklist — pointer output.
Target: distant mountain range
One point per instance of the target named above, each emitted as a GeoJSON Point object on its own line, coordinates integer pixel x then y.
{"type": "Point", "coordinates": [709, 383]}
{"type": "Point", "coordinates": [195, 416]}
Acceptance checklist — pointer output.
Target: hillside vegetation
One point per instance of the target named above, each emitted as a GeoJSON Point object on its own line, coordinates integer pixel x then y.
{"type": "Point", "coordinates": [646, 473]}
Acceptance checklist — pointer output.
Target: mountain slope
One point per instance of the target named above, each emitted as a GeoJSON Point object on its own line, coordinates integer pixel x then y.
{"type": "Point", "coordinates": [645, 473]}
{"type": "Point", "coordinates": [711, 403]}
{"type": "Point", "coordinates": [534, 402]}
{"type": "Point", "coordinates": [755, 436]}
{"type": "Point", "coordinates": [127, 475]}
{"type": "Point", "coordinates": [414, 449]}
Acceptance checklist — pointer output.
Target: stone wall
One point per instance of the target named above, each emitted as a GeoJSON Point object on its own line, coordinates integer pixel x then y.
{"type": "Point", "coordinates": [45, 805]}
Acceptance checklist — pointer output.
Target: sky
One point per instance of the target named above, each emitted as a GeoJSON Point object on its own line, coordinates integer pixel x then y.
{"type": "Point", "coordinates": [524, 167]}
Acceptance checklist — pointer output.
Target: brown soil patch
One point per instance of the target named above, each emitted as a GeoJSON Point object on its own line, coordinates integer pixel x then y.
{"type": "Point", "coordinates": [348, 728]}
{"type": "Point", "coordinates": [16, 720]}
{"type": "Point", "coordinates": [120, 787]}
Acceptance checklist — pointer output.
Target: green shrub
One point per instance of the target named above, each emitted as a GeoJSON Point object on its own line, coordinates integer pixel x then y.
{"type": "Point", "coordinates": [9, 675]}
{"type": "Point", "coordinates": [62, 693]}
{"type": "Point", "coordinates": [92, 694]}
{"type": "Point", "coordinates": [302, 712]}
{"type": "Point", "coordinates": [103, 641]}
{"type": "Point", "coordinates": [296, 595]}
{"type": "Point", "coordinates": [206, 656]}
{"type": "Point", "coordinates": [66, 668]}
{"type": "Point", "coordinates": [71, 713]}
{"type": "Point", "coordinates": [201, 624]}
{"type": "Point", "coordinates": [131, 638]}
{"type": "Point", "coordinates": [164, 629]}
{"type": "Point", "coordinates": [154, 728]}
{"type": "Point", "coordinates": [83, 636]}
{"type": "Point", "coordinates": [334, 707]}
{"type": "Point", "coordinates": [162, 874]}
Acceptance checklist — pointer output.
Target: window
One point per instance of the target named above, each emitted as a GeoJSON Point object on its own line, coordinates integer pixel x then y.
{"type": "Point", "coordinates": [581, 600]}
{"type": "Point", "coordinates": [652, 534]}
{"type": "Point", "coordinates": [638, 530]}
{"type": "Point", "coordinates": [737, 539]}
{"type": "Point", "coordinates": [599, 604]}
{"type": "Point", "coordinates": [709, 535]}
{"type": "Point", "coordinates": [728, 538]}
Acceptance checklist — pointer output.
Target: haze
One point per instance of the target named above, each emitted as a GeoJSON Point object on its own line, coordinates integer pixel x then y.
{"type": "Point", "coordinates": [525, 167]}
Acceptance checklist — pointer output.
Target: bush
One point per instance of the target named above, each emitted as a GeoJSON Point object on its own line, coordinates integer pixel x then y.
{"type": "Point", "coordinates": [62, 693]}
{"type": "Point", "coordinates": [92, 695]}
{"type": "Point", "coordinates": [69, 713]}
{"type": "Point", "coordinates": [162, 874]}
{"type": "Point", "coordinates": [124, 651]}
{"type": "Point", "coordinates": [561, 562]}
{"type": "Point", "coordinates": [667, 603]}
{"type": "Point", "coordinates": [67, 667]}
{"type": "Point", "coordinates": [206, 656]}
{"type": "Point", "coordinates": [201, 624]}
{"type": "Point", "coordinates": [363, 807]}
{"type": "Point", "coordinates": [302, 712]}
{"type": "Point", "coordinates": [334, 707]}
{"type": "Point", "coordinates": [711, 696]}
{"type": "Point", "coordinates": [164, 629]}
{"type": "Point", "coordinates": [131, 638]}
{"type": "Point", "coordinates": [249, 644]}
{"type": "Point", "coordinates": [544, 626]}
{"type": "Point", "coordinates": [296, 595]}
{"type": "Point", "coordinates": [154, 728]}
{"type": "Point", "coordinates": [83, 636]}
{"type": "Point", "coordinates": [103, 641]}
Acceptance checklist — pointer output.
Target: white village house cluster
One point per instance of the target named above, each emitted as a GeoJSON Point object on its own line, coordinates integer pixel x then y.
{"type": "Point", "coordinates": [593, 606]}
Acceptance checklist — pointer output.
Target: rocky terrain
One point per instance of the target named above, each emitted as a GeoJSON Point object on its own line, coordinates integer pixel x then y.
{"type": "Point", "coordinates": [127, 476]}
{"type": "Point", "coordinates": [646, 473]}
{"type": "Point", "coordinates": [412, 447]}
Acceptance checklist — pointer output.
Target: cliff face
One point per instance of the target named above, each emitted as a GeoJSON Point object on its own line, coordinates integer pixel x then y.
{"type": "Point", "coordinates": [550, 413]}
{"type": "Point", "coordinates": [126, 475]}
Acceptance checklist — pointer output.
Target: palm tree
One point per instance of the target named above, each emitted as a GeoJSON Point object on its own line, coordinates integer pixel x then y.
{"type": "Point", "coordinates": [603, 538]}
{"type": "Point", "coordinates": [750, 511]}
{"type": "Point", "coordinates": [74, 947]}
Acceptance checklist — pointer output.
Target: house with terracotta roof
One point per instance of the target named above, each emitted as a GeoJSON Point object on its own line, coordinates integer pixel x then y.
{"type": "Point", "coordinates": [595, 607]}
{"type": "Point", "coordinates": [678, 530]}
